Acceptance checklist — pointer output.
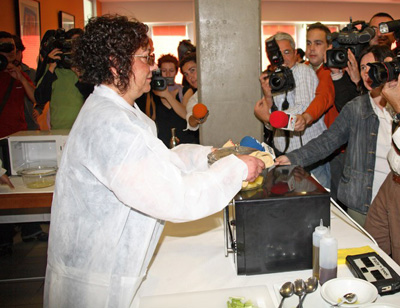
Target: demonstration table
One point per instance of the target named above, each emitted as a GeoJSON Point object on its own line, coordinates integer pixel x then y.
{"type": "Point", "coordinates": [190, 258]}
{"type": "Point", "coordinates": [24, 204]}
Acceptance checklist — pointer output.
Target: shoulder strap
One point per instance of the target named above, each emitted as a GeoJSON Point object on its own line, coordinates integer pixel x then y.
{"type": "Point", "coordinates": [6, 95]}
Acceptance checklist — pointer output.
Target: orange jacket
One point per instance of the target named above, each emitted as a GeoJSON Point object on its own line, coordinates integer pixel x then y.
{"type": "Point", "coordinates": [324, 100]}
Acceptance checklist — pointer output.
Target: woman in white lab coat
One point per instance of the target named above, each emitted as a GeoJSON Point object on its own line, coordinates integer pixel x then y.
{"type": "Point", "coordinates": [117, 183]}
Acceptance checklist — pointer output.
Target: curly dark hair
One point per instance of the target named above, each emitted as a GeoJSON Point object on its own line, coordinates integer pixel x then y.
{"type": "Point", "coordinates": [187, 58]}
{"type": "Point", "coordinates": [108, 42]}
{"type": "Point", "coordinates": [169, 58]}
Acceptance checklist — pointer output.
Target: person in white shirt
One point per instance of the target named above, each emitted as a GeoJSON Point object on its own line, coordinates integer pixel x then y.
{"type": "Point", "coordinates": [296, 101]}
{"type": "Point", "coordinates": [383, 218]}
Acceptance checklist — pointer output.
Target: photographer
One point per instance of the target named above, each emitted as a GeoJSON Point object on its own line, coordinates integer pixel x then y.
{"type": "Point", "coordinates": [383, 218]}
{"type": "Point", "coordinates": [31, 114]}
{"type": "Point", "coordinates": [60, 83]}
{"type": "Point", "coordinates": [380, 38]}
{"type": "Point", "coordinates": [167, 107]}
{"type": "Point", "coordinates": [14, 85]}
{"type": "Point", "coordinates": [294, 102]}
{"type": "Point", "coordinates": [365, 126]}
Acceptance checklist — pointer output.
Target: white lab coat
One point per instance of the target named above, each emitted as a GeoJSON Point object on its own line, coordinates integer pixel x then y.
{"type": "Point", "coordinates": [116, 185]}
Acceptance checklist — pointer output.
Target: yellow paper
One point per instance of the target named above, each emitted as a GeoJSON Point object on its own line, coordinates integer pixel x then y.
{"type": "Point", "coordinates": [343, 253]}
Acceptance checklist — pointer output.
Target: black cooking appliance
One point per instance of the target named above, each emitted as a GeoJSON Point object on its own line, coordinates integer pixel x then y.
{"type": "Point", "coordinates": [269, 229]}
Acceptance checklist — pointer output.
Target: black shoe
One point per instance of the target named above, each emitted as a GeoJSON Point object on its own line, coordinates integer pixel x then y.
{"type": "Point", "coordinates": [41, 237]}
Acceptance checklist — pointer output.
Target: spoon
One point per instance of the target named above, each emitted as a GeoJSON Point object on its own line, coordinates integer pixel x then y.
{"type": "Point", "coordinates": [286, 290]}
{"type": "Point", "coordinates": [311, 286]}
{"type": "Point", "coordinates": [299, 290]}
{"type": "Point", "coordinates": [348, 298]}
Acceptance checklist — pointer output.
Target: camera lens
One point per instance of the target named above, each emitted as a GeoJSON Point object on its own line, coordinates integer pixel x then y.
{"type": "Point", "coordinates": [3, 63]}
{"type": "Point", "coordinates": [276, 82]}
{"type": "Point", "coordinates": [340, 57]}
{"type": "Point", "coordinates": [380, 73]}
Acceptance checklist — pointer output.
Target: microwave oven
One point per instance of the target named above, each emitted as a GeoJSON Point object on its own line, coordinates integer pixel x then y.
{"type": "Point", "coordinates": [27, 147]}
{"type": "Point", "coordinates": [269, 229]}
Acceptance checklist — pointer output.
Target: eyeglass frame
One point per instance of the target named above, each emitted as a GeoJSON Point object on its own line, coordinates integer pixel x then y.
{"type": "Point", "coordinates": [150, 59]}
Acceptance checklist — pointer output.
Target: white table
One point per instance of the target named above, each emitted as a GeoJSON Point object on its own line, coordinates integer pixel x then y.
{"type": "Point", "coordinates": [190, 258]}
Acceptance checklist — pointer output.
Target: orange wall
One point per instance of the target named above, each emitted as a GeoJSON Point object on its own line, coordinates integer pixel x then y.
{"type": "Point", "coordinates": [48, 14]}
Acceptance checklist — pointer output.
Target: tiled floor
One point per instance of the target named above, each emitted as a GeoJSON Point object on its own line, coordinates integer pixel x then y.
{"type": "Point", "coordinates": [27, 260]}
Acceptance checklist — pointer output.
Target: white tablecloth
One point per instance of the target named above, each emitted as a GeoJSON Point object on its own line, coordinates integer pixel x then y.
{"type": "Point", "coordinates": [190, 258]}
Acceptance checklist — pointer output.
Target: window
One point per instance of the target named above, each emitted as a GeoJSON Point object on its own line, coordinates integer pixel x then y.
{"type": "Point", "coordinates": [89, 9]}
{"type": "Point", "coordinates": [166, 39]}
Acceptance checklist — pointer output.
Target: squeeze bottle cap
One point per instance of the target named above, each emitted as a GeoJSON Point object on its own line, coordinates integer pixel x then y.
{"type": "Point", "coordinates": [321, 229]}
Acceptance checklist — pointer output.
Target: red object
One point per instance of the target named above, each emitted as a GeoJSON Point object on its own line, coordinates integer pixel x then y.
{"type": "Point", "coordinates": [199, 111]}
{"type": "Point", "coordinates": [278, 119]}
{"type": "Point", "coordinates": [280, 188]}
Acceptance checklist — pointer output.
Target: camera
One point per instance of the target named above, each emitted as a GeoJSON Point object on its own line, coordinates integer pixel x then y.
{"type": "Point", "coordinates": [158, 82]}
{"type": "Point", "coordinates": [392, 26]}
{"type": "Point", "coordinates": [59, 40]}
{"type": "Point", "coordinates": [380, 73]}
{"type": "Point", "coordinates": [281, 79]}
{"type": "Point", "coordinates": [350, 37]}
{"type": "Point", "coordinates": [6, 48]}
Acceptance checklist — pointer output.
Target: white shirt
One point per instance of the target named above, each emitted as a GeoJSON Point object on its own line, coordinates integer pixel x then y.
{"type": "Point", "coordinates": [393, 157]}
{"type": "Point", "coordinates": [383, 145]}
{"type": "Point", "coordinates": [299, 99]}
{"type": "Point", "coordinates": [116, 184]}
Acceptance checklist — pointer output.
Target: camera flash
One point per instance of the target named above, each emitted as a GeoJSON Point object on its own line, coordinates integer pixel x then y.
{"type": "Point", "coordinates": [383, 28]}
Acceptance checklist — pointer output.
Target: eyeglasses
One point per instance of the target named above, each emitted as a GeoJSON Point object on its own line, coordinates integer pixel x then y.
{"type": "Point", "coordinates": [150, 59]}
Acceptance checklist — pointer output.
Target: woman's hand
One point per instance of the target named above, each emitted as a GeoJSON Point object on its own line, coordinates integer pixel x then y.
{"type": "Point", "coordinates": [254, 166]}
{"type": "Point", "coordinates": [261, 110]}
{"type": "Point", "coordinates": [5, 180]}
{"type": "Point", "coordinates": [54, 55]}
{"type": "Point", "coordinates": [391, 91]}
{"type": "Point", "coordinates": [352, 67]}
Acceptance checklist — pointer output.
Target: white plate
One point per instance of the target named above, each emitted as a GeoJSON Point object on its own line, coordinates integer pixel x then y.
{"type": "Point", "coordinates": [211, 299]}
{"type": "Point", "coordinates": [334, 289]}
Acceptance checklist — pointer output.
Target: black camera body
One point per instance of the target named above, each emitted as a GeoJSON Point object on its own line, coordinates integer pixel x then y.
{"type": "Point", "coordinates": [59, 40]}
{"type": "Point", "coordinates": [6, 48]}
{"type": "Point", "coordinates": [158, 82]}
{"type": "Point", "coordinates": [281, 79]}
{"type": "Point", "coordinates": [380, 73]}
{"type": "Point", "coordinates": [350, 37]}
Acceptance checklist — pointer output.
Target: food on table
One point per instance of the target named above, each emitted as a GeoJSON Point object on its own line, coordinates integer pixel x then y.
{"type": "Point", "coordinates": [237, 302]}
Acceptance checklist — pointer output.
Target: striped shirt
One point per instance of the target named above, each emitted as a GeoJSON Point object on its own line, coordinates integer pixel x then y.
{"type": "Point", "coordinates": [299, 99]}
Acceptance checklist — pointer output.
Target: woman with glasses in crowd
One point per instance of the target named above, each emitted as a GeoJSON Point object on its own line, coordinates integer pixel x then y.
{"type": "Point", "coordinates": [117, 182]}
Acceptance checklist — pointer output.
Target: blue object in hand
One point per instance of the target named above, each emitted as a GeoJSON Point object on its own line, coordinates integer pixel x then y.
{"type": "Point", "coordinates": [251, 142]}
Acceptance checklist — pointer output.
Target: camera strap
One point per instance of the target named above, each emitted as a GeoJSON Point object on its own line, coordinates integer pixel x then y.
{"type": "Point", "coordinates": [285, 106]}
{"type": "Point", "coordinates": [7, 95]}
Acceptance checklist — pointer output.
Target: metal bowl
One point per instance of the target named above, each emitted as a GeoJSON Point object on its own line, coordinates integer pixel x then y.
{"type": "Point", "coordinates": [38, 175]}
{"type": "Point", "coordinates": [223, 152]}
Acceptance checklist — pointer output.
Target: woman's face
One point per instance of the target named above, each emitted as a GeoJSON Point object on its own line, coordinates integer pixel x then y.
{"type": "Point", "coordinates": [189, 70]}
{"type": "Point", "coordinates": [364, 68]}
{"type": "Point", "coordinates": [140, 82]}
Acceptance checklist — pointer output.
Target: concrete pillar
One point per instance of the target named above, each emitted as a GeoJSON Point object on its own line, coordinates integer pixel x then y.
{"type": "Point", "coordinates": [228, 37]}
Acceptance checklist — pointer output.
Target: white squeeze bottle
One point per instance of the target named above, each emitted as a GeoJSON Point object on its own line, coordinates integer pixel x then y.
{"type": "Point", "coordinates": [316, 237]}
{"type": "Point", "coordinates": [328, 252]}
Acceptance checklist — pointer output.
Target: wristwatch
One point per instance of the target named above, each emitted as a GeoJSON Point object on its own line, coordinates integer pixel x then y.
{"type": "Point", "coordinates": [396, 118]}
